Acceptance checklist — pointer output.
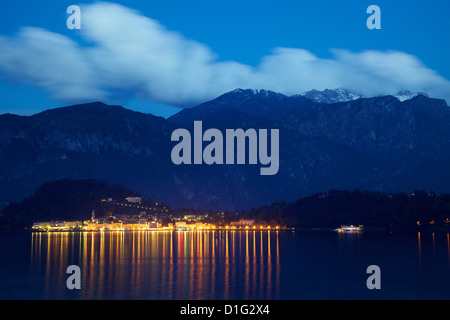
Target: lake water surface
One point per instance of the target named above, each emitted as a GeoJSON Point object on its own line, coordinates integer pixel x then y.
{"type": "Point", "coordinates": [274, 265]}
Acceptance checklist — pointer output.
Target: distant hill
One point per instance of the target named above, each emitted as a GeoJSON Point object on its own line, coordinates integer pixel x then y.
{"type": "Point", "coordinates": [417, 210]}
{"type": "Point", "coordinates": [378, 144]}
{"type": "Point", "coordinates": [65, 199]}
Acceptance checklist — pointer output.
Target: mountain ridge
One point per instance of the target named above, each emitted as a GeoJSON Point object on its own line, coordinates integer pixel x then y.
{"type": "Point", "coordinates": [378, 143]}
{"type": "Point", "coordinates": [254, 102]}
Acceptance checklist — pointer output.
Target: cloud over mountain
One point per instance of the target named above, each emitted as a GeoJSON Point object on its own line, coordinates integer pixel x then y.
{"type": "Point", "coordinates": [125, 54]}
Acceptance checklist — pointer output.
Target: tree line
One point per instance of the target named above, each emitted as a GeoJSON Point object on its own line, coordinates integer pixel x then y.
{"type": "Point", "coordinates": [419, 209]}
{"type": "Point", "coordinates": [75, 199]}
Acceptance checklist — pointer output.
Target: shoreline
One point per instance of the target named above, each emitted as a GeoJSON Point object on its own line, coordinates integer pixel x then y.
{"type": "Point", "coordinates": [369, 230]}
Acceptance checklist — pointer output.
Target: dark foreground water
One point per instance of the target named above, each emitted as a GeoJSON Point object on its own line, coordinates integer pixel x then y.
{"type": "Point", "coordinates": [225, 265]}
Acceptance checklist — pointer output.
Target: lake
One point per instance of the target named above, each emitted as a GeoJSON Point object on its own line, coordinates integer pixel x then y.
{"type": "Point", "coordinates": [223, 265]}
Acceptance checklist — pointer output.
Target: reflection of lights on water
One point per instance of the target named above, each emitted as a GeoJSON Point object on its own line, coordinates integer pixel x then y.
{"type": "Point", "coordinates": [420, 247]}
{"type": "Point", "coordinates": [186, 263]}
{"type": "Point", "coordinates": [183, 264]}
{"type": "Point", "coordinates": [448, 249]}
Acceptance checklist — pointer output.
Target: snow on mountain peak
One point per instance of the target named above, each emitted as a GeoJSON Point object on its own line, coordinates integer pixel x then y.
{"type": "Point", "coordinates": [327, 95]}
{"type": "Point", "coordinates": [407, 95]}
{"type": "Point", "coordinates": [331, 96]}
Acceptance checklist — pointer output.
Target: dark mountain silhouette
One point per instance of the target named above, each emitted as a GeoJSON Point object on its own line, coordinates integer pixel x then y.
{"type": "Point", "coordinates": [368, 143]}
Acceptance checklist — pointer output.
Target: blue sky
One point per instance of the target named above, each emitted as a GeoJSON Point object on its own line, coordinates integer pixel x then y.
{"type": "Point", "coordinates": [200, 49]}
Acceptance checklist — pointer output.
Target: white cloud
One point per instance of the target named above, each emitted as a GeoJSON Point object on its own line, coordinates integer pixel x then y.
{"type": "Point", "coordinates": [50, 61]}
{"type": "Point", "coordinates": [132, 55]}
